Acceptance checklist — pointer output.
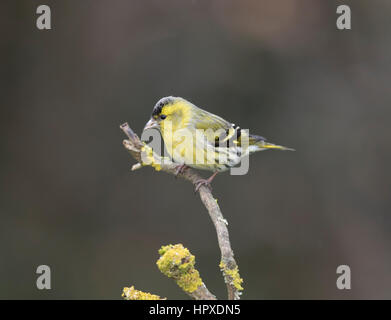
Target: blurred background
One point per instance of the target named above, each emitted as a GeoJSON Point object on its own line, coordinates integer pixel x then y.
{"type": "Point", "coordinates": [280, 68]}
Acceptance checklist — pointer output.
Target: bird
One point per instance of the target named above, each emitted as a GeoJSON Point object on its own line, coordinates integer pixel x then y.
{"type": "Point", "coordinates": [196, 138]}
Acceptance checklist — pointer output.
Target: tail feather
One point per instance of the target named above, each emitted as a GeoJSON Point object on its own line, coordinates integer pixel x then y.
{"type": "Point", "coordinates": [261, 143]}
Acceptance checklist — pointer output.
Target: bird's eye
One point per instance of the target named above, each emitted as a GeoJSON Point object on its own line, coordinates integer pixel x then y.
{"type": "Point", "coordinates": [163, 116]}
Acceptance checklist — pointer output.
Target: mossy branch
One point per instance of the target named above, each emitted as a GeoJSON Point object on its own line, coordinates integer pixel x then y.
{"type": "Point", "coordinates": [133, 294]}
{"type": "Point", "coordinates": [228, 265]}
{"type": "Point", "coordinates": [177, 262]}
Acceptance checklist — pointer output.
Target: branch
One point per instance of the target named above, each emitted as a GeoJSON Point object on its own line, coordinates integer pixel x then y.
{"type": "Point", "coordinates": [178, 263]}
{"type": "Point", "coordinates": [133, 294]}
{"type": "Point", "coordinates": [228, 265]}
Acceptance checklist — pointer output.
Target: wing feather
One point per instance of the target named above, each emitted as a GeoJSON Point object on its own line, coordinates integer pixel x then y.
{"type": "Point", "coordinates": [216, 128]}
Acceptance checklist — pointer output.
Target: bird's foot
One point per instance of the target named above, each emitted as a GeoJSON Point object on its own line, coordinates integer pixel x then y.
{"type": "Point", "coordinates": [204, 182]}
{"type": "Point", "coordinates": [180, 169]}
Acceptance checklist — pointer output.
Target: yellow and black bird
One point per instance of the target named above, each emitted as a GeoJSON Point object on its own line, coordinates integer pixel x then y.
{"type": "Point", "coordinates": [199, 139]}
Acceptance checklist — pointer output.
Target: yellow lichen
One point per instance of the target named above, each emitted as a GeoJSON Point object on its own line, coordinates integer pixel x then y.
{"type": "Point", "coordinates": [148, 158]}
{"type": "Point", "coordinates": [133, 294]}
{"type": "Point", "coordinates": [178, 263]}
{"type": "Point", "coordinates": [233, 275]}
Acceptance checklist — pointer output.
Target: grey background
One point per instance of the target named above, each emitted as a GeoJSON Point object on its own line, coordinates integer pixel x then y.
{"type": "Point", "coordinates": [279, 68]}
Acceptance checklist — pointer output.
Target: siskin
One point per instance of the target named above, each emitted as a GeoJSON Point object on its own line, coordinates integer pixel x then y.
{"type": "Point", "coordinates": [199, 139]}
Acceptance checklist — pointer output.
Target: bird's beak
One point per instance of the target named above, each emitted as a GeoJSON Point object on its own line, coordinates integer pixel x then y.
{"type": "Point", "coordinates": [152, 123]}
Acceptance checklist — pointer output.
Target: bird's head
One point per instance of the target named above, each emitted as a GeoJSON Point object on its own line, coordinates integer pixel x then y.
{"type": "Point", "coordinates": [168, 109]}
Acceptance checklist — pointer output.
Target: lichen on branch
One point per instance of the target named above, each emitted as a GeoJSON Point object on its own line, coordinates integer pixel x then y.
{"type": "Point", "coordinates": [233, 276]}
{"type": "Point", "coordinates": [177, 262]}
{"type": "Point", "coordinates": [132, 294]}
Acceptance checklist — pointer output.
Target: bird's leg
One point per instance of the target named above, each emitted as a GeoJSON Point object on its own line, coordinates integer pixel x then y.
{"type": "Point", "coordinates": [180, 169]}
{"type": "Point", "coordinates": [205, 182]}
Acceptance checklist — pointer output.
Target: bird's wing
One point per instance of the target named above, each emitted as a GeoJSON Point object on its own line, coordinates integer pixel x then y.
{"type": "Point", "coordinates": [215, 128]}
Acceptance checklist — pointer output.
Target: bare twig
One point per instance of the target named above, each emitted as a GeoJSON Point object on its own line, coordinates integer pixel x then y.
{"type": "Point", "coordinates": [228, 264]}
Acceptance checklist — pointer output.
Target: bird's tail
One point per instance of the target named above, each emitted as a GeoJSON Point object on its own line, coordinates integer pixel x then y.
{"type": "Point", "coordinates": [260, 144]}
